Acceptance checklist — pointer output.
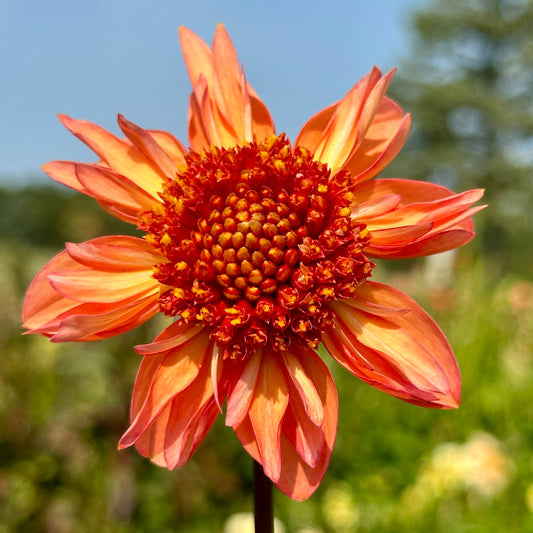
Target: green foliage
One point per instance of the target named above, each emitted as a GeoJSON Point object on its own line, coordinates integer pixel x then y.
{"type": "Point", "coordinates": [468, 84]}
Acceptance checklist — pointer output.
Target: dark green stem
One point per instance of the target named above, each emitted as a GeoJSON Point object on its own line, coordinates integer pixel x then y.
{"type": "Point", "coordinates": [263, 506]}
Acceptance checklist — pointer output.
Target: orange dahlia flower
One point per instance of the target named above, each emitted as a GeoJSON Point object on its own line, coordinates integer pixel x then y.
{"type": "Point", "coordinates": [258, 249]}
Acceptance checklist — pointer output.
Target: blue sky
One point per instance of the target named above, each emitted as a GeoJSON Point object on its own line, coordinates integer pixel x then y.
{"type": "Point", "coordinates": [95, 59]}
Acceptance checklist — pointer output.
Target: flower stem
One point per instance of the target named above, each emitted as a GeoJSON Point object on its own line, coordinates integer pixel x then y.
{"type": "Point", "coordinates": [263, 506]}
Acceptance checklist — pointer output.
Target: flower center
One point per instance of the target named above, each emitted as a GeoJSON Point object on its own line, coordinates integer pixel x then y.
{"type": "Point", "coordinates": [258, 240]}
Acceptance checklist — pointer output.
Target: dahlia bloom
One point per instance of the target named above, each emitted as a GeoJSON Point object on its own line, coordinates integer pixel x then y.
{"type": "Point", "coordinates": [258, 250]}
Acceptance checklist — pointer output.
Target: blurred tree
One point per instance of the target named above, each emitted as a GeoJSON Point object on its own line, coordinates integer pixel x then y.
{"type": "Point", "coordinates": [50, 215]}
{"type": "Point", "coordinates": [469, 86]}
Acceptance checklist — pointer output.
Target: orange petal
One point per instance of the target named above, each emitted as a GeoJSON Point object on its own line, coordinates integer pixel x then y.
{"type": "Point", "coordinates": [233, 101]}
{"type": "Point", "coordinates": [224, 109]}
{"type": "Point", "coordinates": [172, 337]}
{"type": "Point", "coordinates": [114, 189]}
{"type": "Point", "coordinates": [375, 207]}
{"type": "Point", "coordinates": [95, 321]}
{"type": "Point", "coordinates": [241, 394]}
{"type": "Point", "coordinates": [301, 441]}
{"type": "Point", "coordinates": [410, 191]}
{"type": "Point", "coordinates": [362, 133]}
{"type": "Point", "coordinates": [42, 303]}
{"type": "Point", "coordinates": [167, 374]}
{"type": "Point", "coordinates": [178, 334]}
{"type": "Point", "coordinates": [269, 403]}
{"type": "Point", "coordinates": [148, 146]}
{"type": "Point", "coordinates": [60, 314]}
{"type": "Point", "coordinates": [245, 434]}
{"type": "Point", "coordinates": [151, 443]}
{"type": "Point", "coordinates": [398, 234]}
{"type": "Point", "coordinates": [121, 156]}
{"type": "Point", "coordinates": [394, 231]}
{"type": "Point", "coordinates": [262, 123]}
{"type": "Point", "coordinates": [404, 354]}
{"type": "Point", "coordinates": [305, 387]}
{"type": "Point", "coordinates": [313, 130]}
{"type": "Point", "coordinates": [172, 415]}
{"type": "Point", "coordinates": [383, 140]}
{"type": "Point", "coordinates": [198, 136]}
{"type": "Point", "coordinates": [180, 446]}
{"type": "Point", "coordinates": [65, 172]}
{"type": "Point", "coordinates": [115, 254]}
{"type": "Point", "coordinates": [192, 415]}
{"type": "Point", "coordinates": [437, 212]}
{"type": "Point", "coordinates": [197, 55]}
{"type": "Point", "coordinates": [158, 443]}
{"type": "Point", "coordinates": [331, 130]}
{"type": "Point", "coordinates": [435, 244]}
{"type": "Point", "coordinates": [174, 148]}
{"type": "Point", "coordinates": [306, 438]}
{"type": "Point", "coordinates": [103, 287]}
{"type": "Point", "coordinates": [351, 120]}
{"type": "Point", "coordinates": [298, 479]}
{"type": "Point", "coordinates": [217, 366]}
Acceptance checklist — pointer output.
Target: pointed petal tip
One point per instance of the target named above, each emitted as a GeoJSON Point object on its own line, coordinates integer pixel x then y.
{"type": "Point", "coordinates": [453, 399]}
{"type": "Point", "coordinates": [185, 34]}
{"type": "Point", "coordinates": [65, 119]}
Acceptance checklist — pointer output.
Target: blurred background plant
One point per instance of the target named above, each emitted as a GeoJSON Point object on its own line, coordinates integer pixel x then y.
{"type": "Point", "coordinates": [396, 468]}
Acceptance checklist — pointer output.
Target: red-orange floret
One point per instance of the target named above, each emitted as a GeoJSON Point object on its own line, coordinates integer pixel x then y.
{"type": "Point", "coordinates": [257, 239]}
